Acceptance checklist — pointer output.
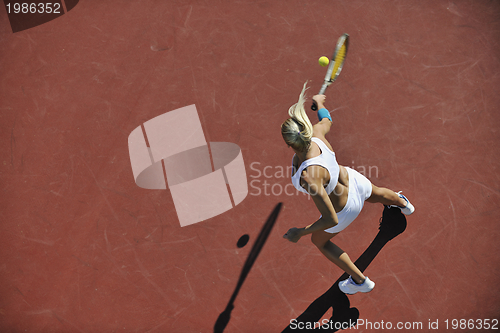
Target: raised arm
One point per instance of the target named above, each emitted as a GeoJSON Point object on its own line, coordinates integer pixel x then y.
{"type": "Point", "coordinates": [325, 120]}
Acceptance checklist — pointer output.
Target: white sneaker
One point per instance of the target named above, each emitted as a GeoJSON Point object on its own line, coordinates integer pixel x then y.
{"type": "Point", "coordinates": [350, 287]}
{"type": "Point", "coordinates": [408, 209]}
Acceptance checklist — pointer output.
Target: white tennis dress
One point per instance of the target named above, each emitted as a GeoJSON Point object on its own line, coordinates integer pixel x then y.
{"type": "Point", "coordinates": [360, 188]}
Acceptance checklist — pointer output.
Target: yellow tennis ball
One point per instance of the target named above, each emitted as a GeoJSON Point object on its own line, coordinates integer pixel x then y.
{"type": "Point", "coordinates": [323, 61]}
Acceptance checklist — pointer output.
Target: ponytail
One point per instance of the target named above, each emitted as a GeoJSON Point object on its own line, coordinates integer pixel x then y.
{"type": "Point", "coordinates": [297, 131]}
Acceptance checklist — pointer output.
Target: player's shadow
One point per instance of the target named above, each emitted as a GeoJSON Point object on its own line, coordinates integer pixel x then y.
{"type": "Point", "coordinates": [392, 224]}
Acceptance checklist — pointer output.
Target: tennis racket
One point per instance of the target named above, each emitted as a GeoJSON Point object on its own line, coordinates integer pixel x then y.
{"type": "Point", "coordinates": [335, 66]}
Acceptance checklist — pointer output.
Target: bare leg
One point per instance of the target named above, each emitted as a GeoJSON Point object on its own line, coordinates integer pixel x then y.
{"type": "Point", "coordinates": [335, 254]}
{"type": "Point", "coordinates": [386, 197]}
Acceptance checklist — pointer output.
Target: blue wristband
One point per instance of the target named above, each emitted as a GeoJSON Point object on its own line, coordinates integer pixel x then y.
{"type": "Point", "coordinates": [323, 113]}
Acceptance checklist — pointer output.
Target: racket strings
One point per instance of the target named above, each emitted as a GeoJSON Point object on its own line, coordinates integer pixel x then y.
{"type": "Point", "coordinates": [339, 59]}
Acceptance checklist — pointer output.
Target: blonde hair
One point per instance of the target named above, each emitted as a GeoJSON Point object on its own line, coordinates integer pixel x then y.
{"type": "Point", "coordinates": [297, 130]}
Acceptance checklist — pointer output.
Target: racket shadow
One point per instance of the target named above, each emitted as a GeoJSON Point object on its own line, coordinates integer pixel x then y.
{"type": "Point", "coordinates": [225, 316]}
{"type": "Point", "coordinates": [392, 224]}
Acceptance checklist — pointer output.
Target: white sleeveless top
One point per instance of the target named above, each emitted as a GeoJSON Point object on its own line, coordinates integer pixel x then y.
{"type": "Point", "coordinates": [326, 159]}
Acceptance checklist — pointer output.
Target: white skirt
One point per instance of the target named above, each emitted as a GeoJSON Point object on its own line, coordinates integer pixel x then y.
{"type": "Point", "coordinates": [360, 189]}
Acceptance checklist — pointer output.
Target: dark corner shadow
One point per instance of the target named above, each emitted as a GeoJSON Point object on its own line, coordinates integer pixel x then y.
{"type": "Point", "coordinates": [392, 224]}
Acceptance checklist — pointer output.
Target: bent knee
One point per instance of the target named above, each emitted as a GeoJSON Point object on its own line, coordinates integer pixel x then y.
{"type": "Point", "coordinates": [320, 238]}
{"type": "Point", "coordinates": [377, 194]}
{"type": "Point", "coordinates": [317, 241]}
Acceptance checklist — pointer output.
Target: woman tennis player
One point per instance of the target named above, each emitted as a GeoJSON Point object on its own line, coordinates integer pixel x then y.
{"type": "Point", "coordinates": [338, 192]}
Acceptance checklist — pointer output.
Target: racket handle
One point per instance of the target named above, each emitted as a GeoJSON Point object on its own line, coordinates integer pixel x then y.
{"type": "Point", "coordinates": [314, 106]}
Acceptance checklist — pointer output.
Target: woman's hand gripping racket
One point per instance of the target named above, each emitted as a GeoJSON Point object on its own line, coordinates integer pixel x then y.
{"type": "Point", "coordinates": [335, 66]}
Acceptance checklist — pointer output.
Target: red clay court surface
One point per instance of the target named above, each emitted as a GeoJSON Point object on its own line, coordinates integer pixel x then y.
{"type": "Point", "coordinates": [84, 249]}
